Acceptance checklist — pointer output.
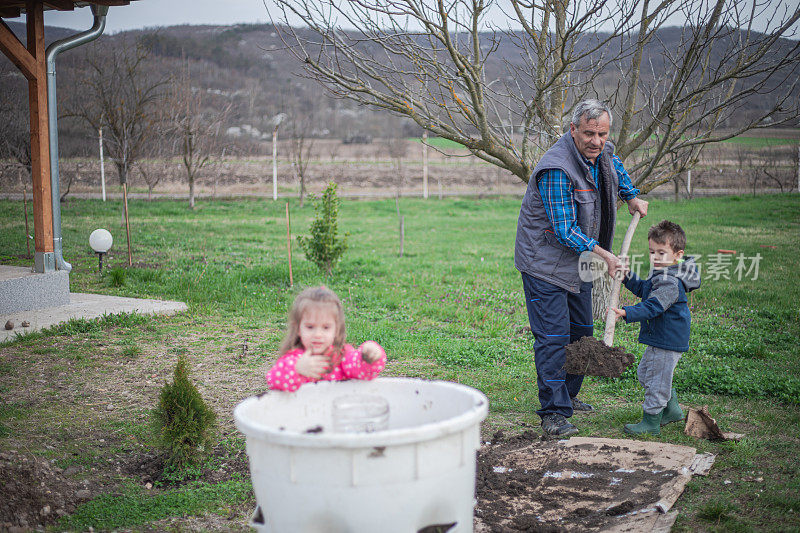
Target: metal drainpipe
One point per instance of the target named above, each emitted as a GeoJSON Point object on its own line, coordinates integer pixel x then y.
{"type": "Point", "coordinates": [53, 50]}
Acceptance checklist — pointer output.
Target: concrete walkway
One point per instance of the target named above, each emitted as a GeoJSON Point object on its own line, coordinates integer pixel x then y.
{"type": "Point", "coordinates": [87, 306]}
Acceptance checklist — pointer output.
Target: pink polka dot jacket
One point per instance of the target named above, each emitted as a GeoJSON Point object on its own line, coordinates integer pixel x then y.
{"type": "Point", "coordinates": [346, 365]}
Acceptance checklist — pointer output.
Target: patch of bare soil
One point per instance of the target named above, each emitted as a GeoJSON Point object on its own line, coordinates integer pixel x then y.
{"type": "Point", "coordinates": [591, 357]}
{"type": "Point", "coordinates": [149, 467]}
{"type": "Point", "coordinates": [526, 484]}
{"type": "Point", "coordinates": [35, 493]}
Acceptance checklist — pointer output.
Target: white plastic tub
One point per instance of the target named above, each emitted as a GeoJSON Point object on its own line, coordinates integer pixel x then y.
{"type": "Point", "coordinates": [418, 473]}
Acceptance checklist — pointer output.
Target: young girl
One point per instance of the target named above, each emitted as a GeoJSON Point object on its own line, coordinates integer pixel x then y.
{"type": "Point", "coordinates": [314, 347]}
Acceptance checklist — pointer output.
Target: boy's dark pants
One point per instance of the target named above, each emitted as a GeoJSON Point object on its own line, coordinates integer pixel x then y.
{"type": "Point", "coordinates": [557, 317]}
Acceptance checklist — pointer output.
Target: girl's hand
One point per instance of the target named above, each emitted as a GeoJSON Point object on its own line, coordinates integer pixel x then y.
{"type": "Point", "coordinates": [312, 366]}
{"type": "Point", "coordinates": [370, 352]}
{"type": "Point", "coordinates": [620, 312]}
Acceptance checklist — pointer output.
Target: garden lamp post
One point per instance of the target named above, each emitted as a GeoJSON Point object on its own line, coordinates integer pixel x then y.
{"type": "Point", "coordinates": [100, 240]}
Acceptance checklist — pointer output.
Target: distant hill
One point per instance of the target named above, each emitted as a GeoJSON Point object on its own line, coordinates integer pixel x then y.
{"type": "Point", "coordinates": [51, 33]}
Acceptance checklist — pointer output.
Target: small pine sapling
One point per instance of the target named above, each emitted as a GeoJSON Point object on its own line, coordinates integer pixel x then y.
{"type": "Point", "coordinates": [184, 423]}
{"type": "Point", "coordinates": [323, 247]}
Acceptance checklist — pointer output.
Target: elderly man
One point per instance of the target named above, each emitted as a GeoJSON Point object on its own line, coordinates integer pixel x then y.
{"type": "Point", "coordinates": [569, 208]}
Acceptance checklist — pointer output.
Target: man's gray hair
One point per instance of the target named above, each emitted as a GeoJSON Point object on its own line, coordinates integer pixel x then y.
{"type": "Point", "coordinates": [591, 109]}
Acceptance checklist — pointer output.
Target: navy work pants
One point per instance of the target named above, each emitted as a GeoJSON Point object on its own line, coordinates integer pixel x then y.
{"type": "Point", "coordinates": [557, 317]}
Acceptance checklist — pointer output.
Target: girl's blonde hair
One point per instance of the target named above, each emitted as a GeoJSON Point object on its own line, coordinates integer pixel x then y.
{"type": "Point", "coordinates": [313, 297]}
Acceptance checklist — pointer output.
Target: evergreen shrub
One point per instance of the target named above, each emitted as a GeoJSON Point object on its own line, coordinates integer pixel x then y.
{"type": "Point", "coordinates": [324, 247]}
{"type": "Point", "coordinates": [184, 423]}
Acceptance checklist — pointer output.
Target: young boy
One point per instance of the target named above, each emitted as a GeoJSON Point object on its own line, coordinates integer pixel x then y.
{"type": "Point", "coordinates": [665, 321]}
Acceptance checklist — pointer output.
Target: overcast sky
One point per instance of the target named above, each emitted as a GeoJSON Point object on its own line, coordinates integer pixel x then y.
{"type": "Point", "coordinates": [154, 13]}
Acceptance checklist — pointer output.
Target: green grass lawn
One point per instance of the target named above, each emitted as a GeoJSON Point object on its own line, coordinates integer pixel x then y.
{"type": "Point", "coordinates": [751, 141]}
{"type": "Point", "coordinates": [439, 142]}
{"type": "Point", "coordinates": [450, 308]}
{"type": "Point", "coordinates": [761, 142]}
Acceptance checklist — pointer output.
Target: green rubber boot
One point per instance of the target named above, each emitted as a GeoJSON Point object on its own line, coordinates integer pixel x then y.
{"type": "Point", "coordinates": [672, 412]}
{"type": "Point", "coordinates": [650, 424]}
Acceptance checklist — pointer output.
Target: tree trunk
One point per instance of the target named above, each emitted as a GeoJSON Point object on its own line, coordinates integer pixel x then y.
{"type": "Point", "coordinates": [601, 292]}
{"type": "Point", "coordinates": [302, 189]}
{"type": "Point", "coordinates": [127, 223]}
{"type": "Point", "coordinates": [191, 191]}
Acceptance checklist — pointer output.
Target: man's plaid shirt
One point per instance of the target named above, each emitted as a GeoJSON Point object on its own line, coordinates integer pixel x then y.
{"type": "Point", "coordinates": [557, 195]}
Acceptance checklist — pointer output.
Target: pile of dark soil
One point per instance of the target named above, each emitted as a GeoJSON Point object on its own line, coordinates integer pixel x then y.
{"type": "Point", "coordinates": [526, 484]}
{"type": "Point", "coordinates": [34, 493]}
{"type": "Point", "coordinates": [591, 357]}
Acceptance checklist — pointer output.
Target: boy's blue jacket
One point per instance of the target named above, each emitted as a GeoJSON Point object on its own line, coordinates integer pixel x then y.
{"type": "Point", "coordinates": [663, 311]}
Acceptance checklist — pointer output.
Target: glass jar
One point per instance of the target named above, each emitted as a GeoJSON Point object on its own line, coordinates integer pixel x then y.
{"type": "Point", "coordinates": [360, 413]}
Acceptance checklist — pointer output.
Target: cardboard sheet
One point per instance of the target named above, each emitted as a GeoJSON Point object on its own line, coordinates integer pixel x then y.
{"type": "Point", "coordinates": [585, 484]}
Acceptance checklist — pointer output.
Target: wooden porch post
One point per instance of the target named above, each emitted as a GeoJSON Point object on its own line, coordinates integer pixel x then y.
{"type": "Point", "coordinates": [44, 259]}
{"type": "Point", "coordinates": [32, 63]}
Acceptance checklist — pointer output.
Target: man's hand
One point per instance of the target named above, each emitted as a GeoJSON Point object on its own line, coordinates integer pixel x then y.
{"type": "Point", "coordinates": [620, 312]}
{"type": "Point", "coordinates": [636, 204]}
{"type": "Point", "coordinates": [312, 366]}
{"type": "Point", "coordinates": [626, 267]}
{"type": "Point", "coordinates": [614, 266]}
{"type": "Point", "coordinates": [612, 261]}
{"type": "Point", "coordinates": [370, 352]}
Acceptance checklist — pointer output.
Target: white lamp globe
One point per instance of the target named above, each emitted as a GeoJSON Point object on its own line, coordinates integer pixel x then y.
{"type": "Point", "coordinates": [100, 240]}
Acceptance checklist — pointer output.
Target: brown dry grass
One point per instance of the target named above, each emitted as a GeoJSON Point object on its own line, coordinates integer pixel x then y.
{"type": "Point", "coordinates": [370, 170]}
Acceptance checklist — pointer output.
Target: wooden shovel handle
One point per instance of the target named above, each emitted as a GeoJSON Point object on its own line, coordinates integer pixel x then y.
{"type": "Point", "coordinates": [611, 316]}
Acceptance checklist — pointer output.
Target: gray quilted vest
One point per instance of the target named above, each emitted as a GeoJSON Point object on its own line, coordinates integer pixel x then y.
{"type": "Point", "coordinates": [537, 251]}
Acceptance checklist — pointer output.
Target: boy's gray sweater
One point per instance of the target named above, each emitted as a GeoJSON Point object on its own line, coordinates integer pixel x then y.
{"type": "Point", "coordinates": [664, 311]}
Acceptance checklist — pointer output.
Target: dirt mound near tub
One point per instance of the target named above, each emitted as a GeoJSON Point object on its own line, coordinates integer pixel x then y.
{"type": "Point", "coordinates": [35, 493]}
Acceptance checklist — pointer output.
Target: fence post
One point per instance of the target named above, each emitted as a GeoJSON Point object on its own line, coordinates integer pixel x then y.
{"type": "Point", "coordinates": [425, 164]}
{"type": "Point", "coordinates": [275, 164]}
{"type": "Point", "coordinates": [402, 232]}
{"type": "Point", "coordinates": [689, 182]}
{"type": "Point", "coordinates": [102, 166]}
{"type": "Point", "coordinates": [289, 244]}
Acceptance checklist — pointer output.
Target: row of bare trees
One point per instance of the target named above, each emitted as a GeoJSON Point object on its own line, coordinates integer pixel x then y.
{"type": "Point", "coordinates": [672, 89]}
{"type": "Point", "coordinates": [144, 115]}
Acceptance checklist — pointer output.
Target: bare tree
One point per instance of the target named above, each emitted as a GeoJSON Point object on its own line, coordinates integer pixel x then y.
{"type": "Point", "coordinates": [300, 146]}
{"type": "Point", "coordinates": [333, 149]}
{"type": "Point", "coordinates": [71, 177]}
{"type": "Point", "coordinates": [397, 148]}
{"type": "Point", "coordinates": [681, 162]}
{"type": "Point", "coordinates": [195, 125]}
{"type": "Point", "coordinates": [15, 137]}
{"type": "Point", "coordinates": [120, 95]}
{"type": "Point", "coordinates": [219, 170]}
{"type": "Point", "coordinates": [150, 177]}
{"type": "Point", "coordinates": [743, 157]}
{"type": "Point", "coordinates": [672, 88]}
{"type": "Point", "coordinates": [769, 165]}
